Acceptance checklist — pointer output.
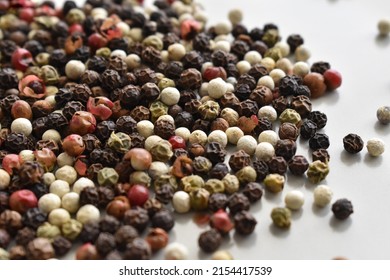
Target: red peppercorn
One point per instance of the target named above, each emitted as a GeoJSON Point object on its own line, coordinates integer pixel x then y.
{"type": "Point", "coordinates": [27, 14]}
{"type": "Point", "coordinates": [32, 86]}
{"type": "Point", "coordinates": [21, 109]}
{"type": "Point", "coordinates": [81, 166]}
{"type": "Point", "coordinates": [138, 195]}
{"type": "Point", "coordinates": [21, 59]}
{"type": "Point", "coordinates": [118, 207]}
{"type": "Point", "coordinates": [82, 123]}
{"type": "Point", "coordinates": [214, 72]}
{"type": "Point", "coordinates": [189, 28]}
{"type": "Point", "coordinates": [46, 158]}
{"type": "Point", "coordinates": [73, 145]}
{"type": "Point", "coordinates": [101, 107]}
{"type": "Point", "coordinates": [11, 163]}
{"type": "Point", "coordinates": [177, 142]}
{"type": "Point", "coordinates": [333, 79]}
{"type": "Point", "coordinates": [87, 251]}
{"type": "Point", "coordinates": [220, 221]}
{"type": "Point", "coordinates": [75, 28]}
{"type": "Point", "coordinates": [96, 41]}
{"type": "Point", "coordinates": [23, 200]}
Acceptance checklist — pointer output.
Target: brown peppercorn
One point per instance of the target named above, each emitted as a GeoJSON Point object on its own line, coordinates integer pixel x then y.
{"type": "Point", "coordinates": [24, 236]}
{"type": "Point", "coordinates": [138, 249]}
{"type": "Point", "coordinates": [280, 104]}
{"type": "Point", "coordinates": [157, 239]}
{"type": "Point", "coordinates": [217, 201]}
{"type": "Point", "coordinates": [164, 193]}
{"type": "Point", "coordinates": [203, 125]}
{"type": "Point", "coordinates": [261, 168]}
{"type": "Point", "coordinates": [50, 144]}
{"type": "Point", "coordinates": [105, 243]}
{"type": "Point", "coordinates": [248, 108]}
{"type": "Point", "coordinates": [342, 209]}
{"type": "Point", "coordinates": [17, 142]}
{"type": "Point", "coordinates": [277, 164]}
{"type": "Point", "coordinates": [238, 202]}
{"type": "Point", "coordinates": [253, 191]}
{"type": "Point", "coordinates": [201, 165]}
{"type": "Point", "coordinates": [118, 206]}
{"type": "Point", "coordinates": [210, 240]}
{"type": "Point", "coordinates": [89, 195]}
{"type": "Point", "coordinates": [164, 128]}
{"type": "Point", "coordinates": [111, 79]}
{"type": "Point", "coordinates": [257, 71]}
{"type": "Point", "coordinates": [152, 205]}
{"type": "Point", "coordinates": [40, 249]}
{"type": "Point", "coordinates": [140, 113]}
{"type": "Point", "coordinates": [244, 222]}
{"type": "Point", "coordinates": [17, 253]}
{"type": "Point", "coordinates": [90, 232]}
{"type": "Point", "coordinates": [219, 171]}
{"type": "Point", "coordinates": [319, 118]}
{"type": "Point", "coordinates": [239, 160]}
{"type": "Point", "coordinates": [145, 75]}
{"type": "Point", "coordinates": [30, 172]}
{"type": "Point", "coordinates": [219, 124]}
{"type": "Point", "coordinates": [4, 201]}
{"type": "Point", "coordinates": [229, 100]}
{"type": "Point", "coordinates": [11, 221]}
{"type": "Point", "coordinates": [109, 224]}
{"type": "Point", "coordinates": [316, 83]}
{"type": "Point", "coordinates": [321, 155]}
{"type": "Point", "coordinates": [90, 78]}
{"type": "Point", "coordinates": [190, 79]}
{"type": "Point", "coordinates": [61, 246]}
{"type": "Point", "coordinates": [114, 255]}
{"type": "Point", "coordinates": [215, 152]}
{"type": "Point", "coordinates": [21, 109]}
{"type": "Point", "coordinates": [137, 217]}
{"type": "Point", "coordinates": [81, 92]}
{"type": "Point", "coordinates": [124, 235]}
{"type": "Point", "coordinates": [298, 165]}
{"type": "Point", "coordinates": [106, 195]}
{"type": "Point", "coordinates": [182, 166]}
{"type": "Point", "coordinates": [288, 131]}
{"type": "Point", "coordinates": [353, 143]}
{"type": "Point", "coordinates": [285, 148]}
{"type": "Point", "coordinates": [262, 95]}
{"type": "Point", "coordinates": [163, 219]}
{"type": "Point", "coordinates": [302, 104]}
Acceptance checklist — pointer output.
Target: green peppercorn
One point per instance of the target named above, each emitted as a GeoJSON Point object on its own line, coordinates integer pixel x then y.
{"type": "Point", "coordinates": [274, 182]}
{"type": "Point", "coordinates": [291, 116]}
{"type": "Point", "coordinates": [281, 217]}
{"type": "Point", "coordinates": [191, 183]}
{"type": "Point", "coordinates": [119, 142]}
{"type": "Point", "coordinates": [214, 186]}
{"type": "Point", "coordinates": [162, 151]}
{"type": "Point", "coordinates": [231, 182]}
{"type": "Point", "coordinates": [140, 177]}
{"type": "Point", "coordinates": [165, 82]}
{"type": "Point", "coordinates": [246, 175]}
{"type": "Point", "coordinates": [48, 230]}
{"type": "Point", "coordinates": [165, 179]}
{"type": "Point", "coordinates": [317, 171]}
{"type": "Point", "coordinates": [42, 59]}
{"type": "Point", "coordinates": [71, 229]}
{"type": "Point", "coordinates": [153, 41]}
{"type": "Point", "coordinates": [158, 109]}
{"type": "Point", "coordinates": [274, 53]}
{"type": "Point", "coordinates": [271, 37]}
{"type": "Point", "coordinates": [49, 75]}
{"type": "Point", "coordinates": [107, 176]}
{"type": "Point", "coordinates": [201, 165]}
{"type": "Point", "coordinates": [199, 199]}
{"type": "Point", "coordinates": [209, 110]}
{"type": "Point", "coordinates": [75, 16]}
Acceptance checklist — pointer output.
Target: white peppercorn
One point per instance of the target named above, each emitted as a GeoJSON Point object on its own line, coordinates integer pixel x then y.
{"type": "Point", "coordinates": [51, 99]}
{"type": "Point", "coordinates": [268, 63]}
{"type": "Point", "coordinates": [133, 61]}
{"type": "Point", "coordinates": [48, 178]}
{"type": "Point", "coordinates": [231, 183]}
{"type": "Point", "coordinates": [294, 200]}
{"type": "Point", "coordinates": [253, 57]}
{"type": "Point", "coordinates": [283, 47]}
{"type": "Point", "coordinates": [82, 183]}
{"type": "Point", "coordinates": [217, 88]}
{"type": "Point", "coordinates": [264, 151]}
{"type": "Point", "coordinates": [58, 217]}
{"type": "Point", "coordinates": [285, 65]}
{"type": "Point", "coordinates": [5, 179]}
{"type": "Point", "coordinates": [74, 69]}
{"type": "Point", "coordinates": [224, 27]}
{"type": "Point", "coordinates": [4, 255]}
{"type": "Point", "coordinates": [26, 155]}
{"type": "Point", "coordinates": [268, 112]}
{"type": "Point", "coordinates": [234, 134]}
{"type": "Point", "coordinates": [157, 168]}
{"type": "Point", "coordinates": [277, 74]}
{"type": "Point", "coordinates": [230, 115]}
{"type": "Point", "coordinates": [49, 202]}
{"type": "Point", "coordinates": [229, 86]}
{"type": "Point", "coordinates": [181, 202]}
{"type": "Point", "coordinates": [301, 69]}
{"type": "Point", "coordinates": [198, 137]}
{"type": "Point", "coordinates": [203, 91]}
{"type": "Point", "coordinates": [302, 53]}
{"type": "Point", "coordinates": [269, 136]}
{"type": "Point", "coordinates": [384, 27]}
{"type": "Point", "coordinates": [218, 136]}
{"type": "Point", "coordinates": [170, 96]}
{"type": "Point", "coordinates": [248, 144]}
{"type": "Point", "coordinates": [99, 13]}
{"type": "Point", "coordinates": [322, 195]}
{"type": "Point", "coordinates": [176, 51]}
{"type": "Point", "coordinates": [21, 125]}
{"type": "Point", "coordinates": [266, 81]}
{"type": "Point", "coordinates": [183, 132]}
{"type": "Point", "coordinates": [235, 16]}
{"type": "Point", "coordinates": [70, 202]}
{"type": "Point", "coordinates": [222, 45]}
{"type": "Point", "coordinates": [176, 251]}
{"type": "Point", "coordinates": [88, 213]}
{"type": "Point", "coordinates": [383, 114]}
{"type": "Point", "coordinates": [145, 128]}
{"type": "Point", "coordinates": [118, 53]}
{"type": "Point", "coordinates": [66, 173]}
{"type": "Point", "coordinates": [375, 147]}
{"type": "Point", "coordinates": [222, 255]}
{"type": "Point", "coordinates": [59, 187]}
{"type": "Point", "coordinates": [151, 141]}
{"type": "Point", "coordinates": [243, 67]}
{"type": "Point", "coordinates": [164, 56]}
{"type": "Point", "coordinates": [65, 159]}
{"type": "Point", "coordinates": [136, 34]}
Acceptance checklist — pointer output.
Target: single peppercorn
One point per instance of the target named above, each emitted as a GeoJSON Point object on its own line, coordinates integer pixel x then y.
{"type": "Point", "coordinates": [245, 222]}
{"type": "Point", "coordinates": [353, 143]}
{"type": "Point", "coordinates": [298, 165]}
{"type": "Point", "coordinates": [209, 241]}
{"type": "Point", "coordinates": [308, 129]}
{"type": "Point", "coordinates": [319, 141]}
{"type": "Point", "coordinates": [342, 209]}
{"type": "Point", "coordinates": [319, 118]}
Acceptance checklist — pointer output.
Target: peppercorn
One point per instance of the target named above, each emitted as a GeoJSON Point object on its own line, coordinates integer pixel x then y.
{"type": "Point", "coordinates": [61, 245]}
{"type": "Point", "coordinates": [353, 143]}
{"type": "Point", "coordinates": [288, 131]}
{"type": "Point", "coordinates": [294, 41]}
{"type": "Point", "coordinates": [238, 202]}
{"type": "Point", "coordinates": [319, 118]}
{"type": "Point", "coordinates": [319, 141]}
{"type": "Point", "coordinates": [281, 217]}
{"type": "Point", "coordinates": [253, 191]}
{"type": "Point", "coordinates": [308, 129]}
{"type": "Point", "coordinates": [277, 164]}
{"type": "Point", "coordinates": [245, 222]}
{"type": "Point", "coordinates": [40, 249]}
{"type": "Point", "coordinates": [210, 240]}
{"type": "Point", "coordinates": [136, 217]}
{"type": "Point", "coordinates": [342, 209]}
{"type": "Point", "coordinates": [285, 148]}
{"type": "Point", "coordinates": [124, 235]}
{"type": "Point", "coordinates": [137, 249]}
{"type": "Point", "coordinates": [321, 155]}
{"type": "Point", "coordinates": [261, 168]}
{"type": "Point", "coordinates": [163, 219]}
{"type": "Point", "coordinates": [302, 105]}
{"type": "Point", "coordinates": [320, 67]}
{"type": "Point", "coordinates": [317, 171]}
{"type": "Point", "coordinates": [219, 171]}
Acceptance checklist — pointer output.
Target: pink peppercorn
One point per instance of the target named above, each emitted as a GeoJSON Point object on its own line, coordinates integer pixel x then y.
{"type": "Point", "coordinates": [11, 163]}
{"type": "Point", "coordinates": [177, 142]}
{"type": "Point", "coordinates": [333, 79]}
{"type": "Point", "coordinates": [138, 195]}
{"type": "Point", "coordinates": [22, 200]}
{"type": "Point", "coordinates": [21, 59]}
{"type": "Point", "coordinates": [73, 145]}
{"type": "Point", "coordinates": [220, 221]}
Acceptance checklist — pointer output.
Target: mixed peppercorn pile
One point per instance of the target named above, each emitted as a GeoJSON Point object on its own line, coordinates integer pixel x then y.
{"type": "Point", "coordinates": [113, 117]}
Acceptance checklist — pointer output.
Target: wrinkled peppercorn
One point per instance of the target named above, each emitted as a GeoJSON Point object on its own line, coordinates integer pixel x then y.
{"type": "Point", "coordinates": [277, 164]}
{"type": "Point", "coordinates": [164, 193]}
{"type": "Point", "coordinates": [244, 222]}
{"type": "Point", "coordinates": [210, 240]}
{"type": "Point", "coordinates": [353, 143]}
{"type": "Point", "coordinates": [321, 155]}
{"type": "Point", "coordinates": [320, 141]}
{"type": "Point", "coordinates": [219, 171]}
{"type": "Point", "coordinates": [109, 224]}
{"type": "Point", "coordinates": [33, 218]}
{"type": "Point", "coordinates": [24, 236]}
{"type": "Point", "coordinates": [238, 202]}
{"type": "Point", "coordinates": [288, 130]}
{"type": "Point", "coordinates": [90, 232]}
{"type": "Point", "coordinates": [217, 201]}
{"type": "Point", "coordinates": [152, 205]}
{"type": "Point", "coordinates": [239, 160]}
{"type": "Point", "coordinates": [294, 41]}
{"type": "Point", "coordinates": [89, 195]}
{"type": "Point", "coordinates": [308, 129]}
{"type": "Point", "coordinates": [136, 217]}
{"type": "Point", "coordinates": [342, 208]}
{"type": "Point", "coordinates": [319, 118]}
{"type": "Point", "coordinates": [280, 104]}
{"type": "Point", "coordinates": [124, 235]}
{"type": "Point", "coordinates": [261, 168]}
{"type": "Point", "coordinates": [105, 243]}
{"type": "Point", "coordinates": [163, 219]}
{"type": "Point", "coordinates": [288, 86]}
{"type": "Point", "coordinates": [298, 165]}
{"type": "Point", "coordinates": [138, 249]}
{"type": "Point", "coordinates": [320, 67]}
{"type": "Point", "coordinates": [253, 191]}
{"type": "Point", "coordinates": [61, 245]}
{"type": "Point", "coordinates": [215, 152]}
{"type": "Point", "coordinates": [285, 148]}
{"type": "Point", "coordinates": [262, 95]}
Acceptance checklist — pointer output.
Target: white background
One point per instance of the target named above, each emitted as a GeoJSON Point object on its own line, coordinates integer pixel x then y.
{"type": "Point", "coordinates": [344, 33]}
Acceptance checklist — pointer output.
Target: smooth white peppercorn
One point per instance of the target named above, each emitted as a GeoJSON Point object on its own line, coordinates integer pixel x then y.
{"type": "Point", "coordinates": [277, 74]}
{"type": "Point", "coordinates": [283, 47]}
{"type": "Point", "coordinates": [65, 159]}
{"type": "Point", "coordinates": [49, 202]}
{"type": "Point", "coordinates": [176, 251]}
{"type": "Point", "coordinates": [229, 87]}
{"type": "Point", "coordinates": [5, 179]}
{"type": "Point", "coordinates": [253, 57]}
{"type": "Point", "coordinates": [151, 141]}
{"type": "Point", "coordinates": [230, 115]}
{"type": "Point", "coordinates": [99, 13]}
{"type": "Point", "coordinates": [133, 61]}
{"type": "Point", "coordinates": [88, 213]}
{"type": "Point", "coordinates": [222, 255]}
{"type": "Point", "coordinates": [58, 217]}
{"type": "Point", "coordinates": [198, 137]}
{"type": "Point", "coordinates": [248, 144]}
{"type": "Point", "coordinates": [302, 53]}
{"type": "Point", "coordinates": [268, 63]}
{"type": "Point", "coordinates": [384, 27]}
{"type": "Point", "coordinates": [82, 183]}
{"type": "Point", "coordinates": [268, 112]}
{"type": "Point", "coordinates": [294, 200]}
{"type": "Point", "coordinates": [48, 178]}
{"type": "Point", "coordinates": [74, 69]}
{"type": "Point", "coordinates": [269, 136]}
{"type": "Point", "coordinates": [176, 51]}
{"type": "Point", "coordinates": [216, 88]}
{"type": "Point", "coordinates": [51, 99]}
{"type": "Point", "coordinates": [218, 136]}
{"type": "Point", "coordinates": [59, 187]}
{"type": "Point", "coordinates": [322, 195]}
{"type": "Point", "coordinates": [224, 27]}
{"type": "Point", "coordinates": [26, 155]}
{"type": "Point", "coordinates": [70, 202]}
{"type": "Point", "coordinates": [375, 147]}
{"type": "Point", "coordinates": [383, 114]}
{"type": "Point", "coordinates": [222, 45]}
{"type": "Point", "coordinates": [170, 96]}
{"type": "Point", "coordinates": [265, 151]}
{"type": "Point", "coordinates": [124, 27]}
{"type": "Point", "coordinates": [66, 173]}
{"type": "Point", "coordinates": [52, 134]}
{"type": "Point", "coordinates": [266, 81]}
{"type": "Point", "coordinates": [164, 56]}
{"type": "Point", "coordinates": [145, 128]}
{"type": "Point", "coordinates": [21, 125]}
{"type": "Point", "coordinates": [181, 202]}
{"type": "Point", "coordinates": [235, 16]}
{"type": "Point", "coordinates": [234, 134]}
{"type": "Point", "coordinates": [183, 132]}
{"type": "Point", "coordinates": [158, 168]}
{"type": "Point", "coordinates": [203, 91]}
{"type": "Point", "coordinates": [285, 65]}
{"type": "Point", "coordinates": [243, 67]}
{"type": "Point", "coordinates": [136, 34]}
{"type": "Point", "coordinates": [301, 69]}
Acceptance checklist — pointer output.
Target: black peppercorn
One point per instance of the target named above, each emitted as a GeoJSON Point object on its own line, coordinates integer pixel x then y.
{"type": "Point", "coordinates": [106, 195]}
{"type": "Point", "coordinates": [152, 205]}
{"type": "Point", "coordinates": [137, 141]}
{"type": "Point", "coordinates": [89, 195]}
{"type": "Point", "coordinates": [150, 91]}
{"type": "Point", "coordinates": [252, 191]}
{"type": "Point", "coordinates": [190, 79]}
{"type": "Point", "coordinates": [126, 124]}
{"type": "Point", "coordinates": [353, 143]}
{"type": "Point", "coordinates": [90, 232]}
{"type": "Point", "coordinates": [145, 75]}
{"type": "Point", "coordinates": [219, 171]}
{"type": "Point", "coordinates": [5, 239]}
{"type": "Point", "coordinates": [61, 245]}
{"type": "Point", "coordinates": [321, 155]}
{"type": "Point", "coordinates": [277, 164]}
{"type": "Point", "coordinates": [319, 141]}
{"type": "Point", "coordinates": [104, 129]}
{"type": "Point", "coordinates": [238, 202]}
{"type": "Point", "coordinates": [247, 79]}
{"type": "Point", "coordinates": [342, 209]}
{"type": "Point", "coordinates": [124, 235]}
{"type": "Point", "coordinates": [308, 129]}
{"type": "Point", "coordinates": [244, 222]}
{"type": "Point", "coordinates": [111, 79]}
{"type": "Point", "coordinates": [294, 41]}
{"type": "Point", "coordinates": [109, 224]}
{"type": "Point", "coordinates": [173, 70]}
{"type": "Point", "coordinates": [91, 142]}
{"type": "Point", "coordinates": [319, 118]}
{"type": "Point", "coordinates": [163, 219]}
{"type": "Point", "coordinates": [215, 152]}
{"type": "Point", "coordinates": [81, 92]}
{"type": "Point", "coordinates": [39, 189]}
{"type": "Point", "coordinates": [298, 165]}
{"type": "Point", "coordinates": [184, 119]}
{"type": "Point", "coordinates": [288, 85]}
{"type": "Point", "coordinates": [261, 168]}
{"type": "Point", "coordinates": [33, 218]}
{"type": "Point", "coordinates": [285, 148]}
{"type": "Point", "coordinates": [320, 67]}
{"type": "Point", "coordinates": [8, 78]}
{"type": "Point", "coordinates": [17, 142]}
{"type": "Point", "coordinates": [248, 108]}
{"type": "Point", "coordinates": [57, 121]}
{"type": "Point", "coordinates": [280, 104]}
{"type": "Point", "coordinates": [138, 249]}
{"type": "Point", "coordinates": [97, 63]}
{"type": "Point", "coordinates": [302, 105]}
{"type": "Point", "coordinates": [193, 59]}
{"type": "Point", "coordinates": [210, 240]}
{"type": "Point", "coordinates": [164, 128]}
{"type": "Point", "coordinates": [24, 236]}
{"type": "Point", "coordinates": [136, 217]}
{"type": "Point", "coordinates": [239, 48]}
{"type": "Point", "coordinates": [164, 193]}
{"type": "Point", "coordinates": [200, 124]}
{"type": "Point", "coordinates": [217, 201]}
{"type": "Point", "coordinates": [105, 243]}
{"type": "Point", "coordinates": [72, 107]}
{"type": "Point", "coordinates": [239, 160]}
